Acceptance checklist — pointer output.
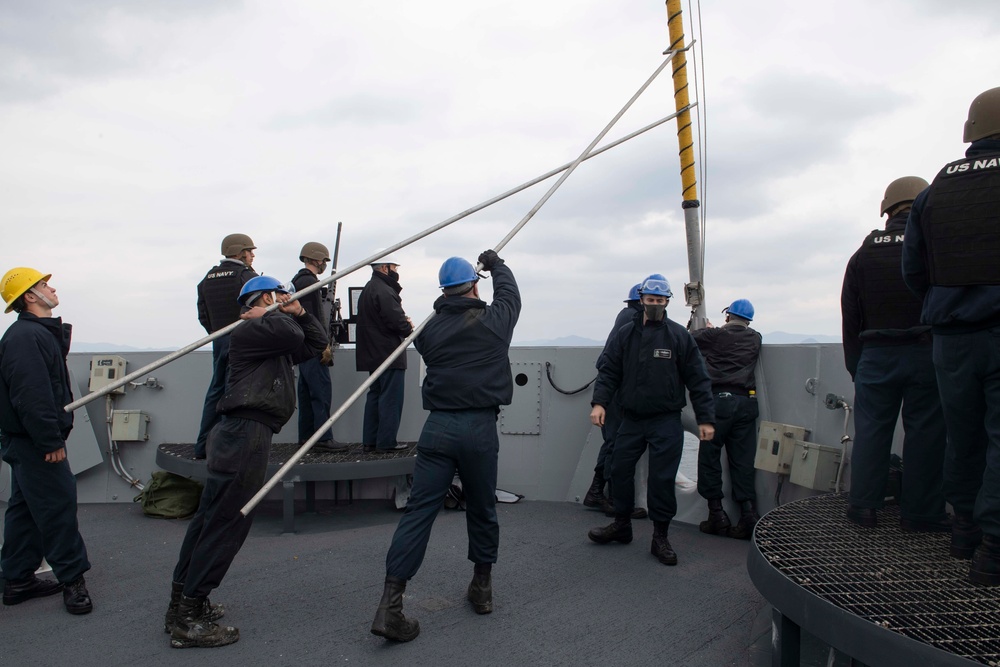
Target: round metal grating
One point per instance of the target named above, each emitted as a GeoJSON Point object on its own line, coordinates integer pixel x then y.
{"type": "Point", "coordinates": [904, 582]}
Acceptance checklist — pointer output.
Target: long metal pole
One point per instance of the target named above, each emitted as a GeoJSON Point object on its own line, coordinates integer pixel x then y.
{"type": "Point", "coordinates": [430, 230]}
{"type": "Point", "coordinates": [694, 290]}
{"type": "Point", "coordinates": [294, 459]}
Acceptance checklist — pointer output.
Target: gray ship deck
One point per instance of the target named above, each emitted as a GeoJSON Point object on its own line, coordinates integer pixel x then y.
{"type": "Point", "coordinates": [308, 598]}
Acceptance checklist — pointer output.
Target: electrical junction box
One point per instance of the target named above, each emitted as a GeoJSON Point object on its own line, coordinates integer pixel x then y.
{"type": "Point", "coordinates": [105, 370]}
{"type": "Point", "coordinates": [815, 466]}
{"type": "Point", "coordinates": [776, 446]}
{"type": "Point", "coordinates": [129, 425]}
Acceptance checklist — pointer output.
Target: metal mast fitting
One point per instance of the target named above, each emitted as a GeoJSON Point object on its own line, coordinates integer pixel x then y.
{"type": "Point", "coordinates": [693, 291]}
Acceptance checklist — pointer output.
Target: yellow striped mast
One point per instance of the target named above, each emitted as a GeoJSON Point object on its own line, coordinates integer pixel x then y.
{"type": "Point", "coordinates": [693, 290]}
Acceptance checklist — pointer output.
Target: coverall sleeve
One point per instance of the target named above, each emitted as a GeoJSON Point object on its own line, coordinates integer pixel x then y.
{"type": "Point", "coordinates": [32, 395]}
{"type": "Point", "coordinates": [696, 379]}
{"type": "Point", "coordinates": [851, 316]}
{"type": "Point", "coordinates": [315, 338]}
{"type": "Point", "coordinates": [503, 312]}
{"type": "Point", "coordinates": [203, 310]}
{"type": "Point", "coordinates": [610, 370]}
{"type": "Point", "coordinates": [915, 273]}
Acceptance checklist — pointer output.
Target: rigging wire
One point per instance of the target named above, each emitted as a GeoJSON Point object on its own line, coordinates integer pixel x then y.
{"type": "Point", "coordinates": [567, 392]}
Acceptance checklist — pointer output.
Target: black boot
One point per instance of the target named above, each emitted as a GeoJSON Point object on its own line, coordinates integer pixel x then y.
{"type": "Point", "coordinates": [77, 598]}
{"type": "Point", "coordinates": [866, 517]}
{"type": "Point", "coordinates": [748, 519]}
{"type": "Point", "coordinates": [389, 620]}
{"type": "Point", "coordinates": [618, 531]}
{"type": "Point", "coordinates": [595, 494]}
{"type": "Point", "coordinates": [965, 536]}
{"type": "Point", "coordinates": [212, 612]}
{"type": "Point", "coordinates": [194, 630]}
{"type": "Point", "coordinates": [718, 522]}
{"type": "Point", "coordinates": [481, 589]}
{"type": "Point", "coordinates": [16, 592]}
{"type": "Point", "coordinates": [661, 545]}
{"type": "Point", "coordinates": [985, 568]}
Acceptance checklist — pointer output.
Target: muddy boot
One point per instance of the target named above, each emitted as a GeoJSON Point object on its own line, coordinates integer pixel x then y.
{"type": "Point", "coordinates": [595, 494]}
{"type": "Point", "coordinates": [193, 630]}
{"type": "Point", "coordinates": [748, 519]}
{"type": "Point", "coordinates": [618, 531]}
{"type": "Point", "coordinates": [985, 568]}
{"type": "Point", "coordinates": [965, 536]}
{"type": "Point", "coordinates": [718, 522]}
{"type": "Point", "coordinates": [481, 589]}
{"type": "Point", "coordinates": [661, 545]}
{"type": "Point", "coordinates": [212, 612]}
{"type": "Point", "coordinates": [389, 620]}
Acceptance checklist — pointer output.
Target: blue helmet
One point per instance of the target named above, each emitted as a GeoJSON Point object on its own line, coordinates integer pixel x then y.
{"type": "Point", "coordinates": [656, 285]}
{"type": "Point", "coordinates": [633, 294]}
{"type": "Point", "coordinates": [740, 308]}
{"type": "Point", "coordinates": [456, 271]}
{"type": "Point", "coordinates": [253, 287]}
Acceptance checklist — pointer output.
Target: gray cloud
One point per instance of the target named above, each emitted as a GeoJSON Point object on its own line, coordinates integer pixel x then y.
{"type": "Point", "coordinates": [351, 110]}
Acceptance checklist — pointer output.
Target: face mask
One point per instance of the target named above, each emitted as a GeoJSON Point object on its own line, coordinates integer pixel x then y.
{"type": "Point", "coordinates": [654, 313]}
{"type": "Point", "coordinates": [393, 275]}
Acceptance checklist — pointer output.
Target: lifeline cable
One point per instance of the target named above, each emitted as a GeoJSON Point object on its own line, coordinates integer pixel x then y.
{"type": "Point", "coordinates": [294, 459]}
{"type": "Point", "coordinates": [108, 388]}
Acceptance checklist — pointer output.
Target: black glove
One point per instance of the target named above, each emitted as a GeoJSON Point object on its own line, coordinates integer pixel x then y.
{"type": "Point", "coordinates": [489, 259]}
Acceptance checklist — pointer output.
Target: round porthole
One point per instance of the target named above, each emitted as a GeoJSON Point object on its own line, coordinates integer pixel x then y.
{"type": "Point", "coordinates": [521, 379]}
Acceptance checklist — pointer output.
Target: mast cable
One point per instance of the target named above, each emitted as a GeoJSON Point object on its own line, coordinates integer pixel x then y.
{"type": "Point", "coordinates": [294, 459]}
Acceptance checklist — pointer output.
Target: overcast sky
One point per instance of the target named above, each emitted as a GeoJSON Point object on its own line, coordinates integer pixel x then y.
{"type": "Point", "coordinates": [135, 135]}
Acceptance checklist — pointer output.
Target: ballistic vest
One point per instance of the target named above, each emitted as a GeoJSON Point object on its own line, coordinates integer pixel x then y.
{"type": "Point", "coordinates": [220, 288]}
{"type": "Point", "coordinates": [887, 302]}
{"type": "Point", "coordinates": [961, 223]}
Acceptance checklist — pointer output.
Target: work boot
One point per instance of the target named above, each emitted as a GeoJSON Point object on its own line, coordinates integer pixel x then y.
{"type": "Point", "coordinates": [862, 516]}
{"type": "Point", "coordinates": [212, 612]}
{"type": "Point", "coordinates": [76, 598]}
{"type": "Point", "coordinates": [16, 592]}
{"type": "Point", "coordinates": [389, 619]}
{"type": "Point", "coordinates": [329, 447]}
{"type": "Point", "coordinates": [965, 536]}
{"type": "Point", "coordinates": [985, 568]}
{"type": "Point", "coordinates": [661, 545]}
{"type": "Point", "coordinates": [718, 522]}
{"type": "Point", "coordinates": [924, 526]}
{"type": "Point", "coordinates": [595, 494]}
{"type": "Point", "coordinates": [743, 530]}
{"type": "Point", "coordinates": [194, 630]}
{"type": "Point", "coordinates": [618, 531]}
{"type": "Point", "coordinates": [481, 589]}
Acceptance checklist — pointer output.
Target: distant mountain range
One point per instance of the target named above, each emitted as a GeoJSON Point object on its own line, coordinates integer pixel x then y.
{"type": "Point", "coordinates": [773, 338]}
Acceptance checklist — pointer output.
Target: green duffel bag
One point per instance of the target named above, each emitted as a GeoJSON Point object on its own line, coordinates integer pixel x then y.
{"type": "Point", "coordinates": [170, 496]}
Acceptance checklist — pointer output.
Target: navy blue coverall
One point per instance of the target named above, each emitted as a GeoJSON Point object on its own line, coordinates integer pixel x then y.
{"type": "Point", "coordinates": [649, 365]}
{"type": "Point", "coordinates": [888, 354]}
{"type": "Point", "coordinates": [41, 514]}
{"type": "Point", "coordinates": [465, 348]}
{"type": "Point", "coordinates": [315, 386]}
{"type": "Point", "coordinates": [259, 400]}
{"type": "Point", "coordinates": [965, 322]}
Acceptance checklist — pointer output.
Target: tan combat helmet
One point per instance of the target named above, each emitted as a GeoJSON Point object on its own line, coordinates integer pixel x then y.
{"type": "Point", "coordinates": [984, 116]}
{"type": "Point", "coordinates": [315, 251]}
{"type": "Point", "coordinates": [902, 190]}
{"type": "Point", "coordinates": [234, 244]}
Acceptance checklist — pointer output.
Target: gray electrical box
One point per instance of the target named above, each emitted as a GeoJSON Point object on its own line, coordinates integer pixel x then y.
{"type": "Point", "coordinates": [776, 446]}
{"type": "Point", "coordinates": [129, 425]}
{"type": "Point", "coordinates": [105, 370]}
{"type": "Point", "coordinates": [815, 466]}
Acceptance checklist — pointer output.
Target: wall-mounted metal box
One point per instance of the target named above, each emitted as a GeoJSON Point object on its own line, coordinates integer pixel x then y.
{"type": "Point", "coordinates": [815, 466]}
{"type": "Point", "coordinates": [129, 425]}
{"type": "Point", "coordinates": [776, 446]}
{"type": "Point", "coordinates": [105, 370]}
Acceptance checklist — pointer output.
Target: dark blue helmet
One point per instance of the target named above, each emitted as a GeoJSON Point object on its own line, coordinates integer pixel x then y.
{"type": "Point", "coordinates": [456, 271]}
{"type": "Point", "coordinates": [633, 294]}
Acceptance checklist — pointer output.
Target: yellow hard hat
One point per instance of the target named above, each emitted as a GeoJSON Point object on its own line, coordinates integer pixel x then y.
{"type": "Point", "coordinates": [18, 281]}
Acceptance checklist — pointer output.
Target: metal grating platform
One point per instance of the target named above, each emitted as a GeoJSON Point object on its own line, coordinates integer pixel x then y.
{"type": "Point", "coordinates": [355, 463]}
{"type": "Point", "coordinates": [814, 565]}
